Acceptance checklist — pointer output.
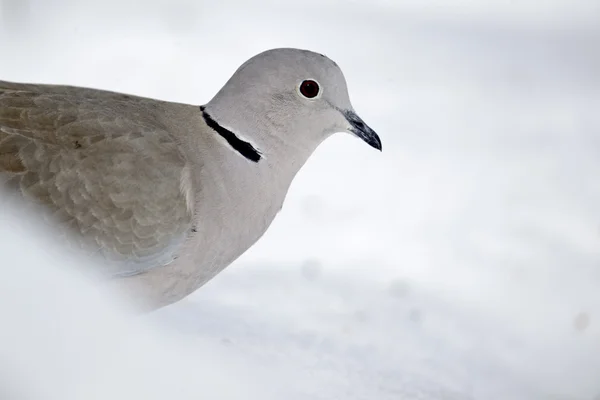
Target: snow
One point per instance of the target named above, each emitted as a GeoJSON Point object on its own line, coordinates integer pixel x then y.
{"type": "Point", "coordinates": [460, 263]}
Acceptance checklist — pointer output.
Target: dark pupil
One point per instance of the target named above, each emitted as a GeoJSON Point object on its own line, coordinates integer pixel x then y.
{"type": "Point", "coordinates": [309, 88]}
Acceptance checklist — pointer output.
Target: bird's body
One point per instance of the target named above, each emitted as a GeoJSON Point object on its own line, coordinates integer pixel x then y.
{"type": "Point", "coordinates": [178, 210]}
{"type": "Point", "coordinates": [168, 194]}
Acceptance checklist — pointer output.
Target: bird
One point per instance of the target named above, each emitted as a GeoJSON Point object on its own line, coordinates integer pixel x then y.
{"type": "Point", "coordinates": [169, 194]}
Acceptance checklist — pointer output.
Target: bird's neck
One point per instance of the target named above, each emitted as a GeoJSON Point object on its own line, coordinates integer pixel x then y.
{"type": "Point", "coordinates": [262, 143]}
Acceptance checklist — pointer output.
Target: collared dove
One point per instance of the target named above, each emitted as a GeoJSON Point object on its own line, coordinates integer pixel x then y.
{"type": "Point", "coordinates": [169, 194]}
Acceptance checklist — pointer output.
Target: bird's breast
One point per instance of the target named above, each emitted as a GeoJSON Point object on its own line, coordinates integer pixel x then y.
{"type": "Point", "coordinates": [231, 213]}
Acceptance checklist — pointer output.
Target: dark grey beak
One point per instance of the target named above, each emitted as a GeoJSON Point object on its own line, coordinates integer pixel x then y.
{"type": "Point", "coordinates": [362, 130]}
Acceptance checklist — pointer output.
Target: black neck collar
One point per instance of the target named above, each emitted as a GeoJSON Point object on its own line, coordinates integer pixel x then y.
{"type": "Point", "coordinates": [242, 147]}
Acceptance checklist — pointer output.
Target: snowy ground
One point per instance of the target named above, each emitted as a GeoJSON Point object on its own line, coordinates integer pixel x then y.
{"type": "Point", "coordinates": [463, 262]}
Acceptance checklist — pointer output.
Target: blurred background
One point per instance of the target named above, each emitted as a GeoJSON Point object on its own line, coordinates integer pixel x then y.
{"type": "Point", "coordinates": [463, 262]}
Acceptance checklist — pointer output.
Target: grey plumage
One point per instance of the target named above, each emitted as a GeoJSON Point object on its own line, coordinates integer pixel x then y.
{"type": "Point", "coordinates": [147, 185]}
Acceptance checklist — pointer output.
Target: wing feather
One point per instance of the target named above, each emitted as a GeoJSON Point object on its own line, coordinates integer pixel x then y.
{"type": "Point", "coordinates": [104, 165]}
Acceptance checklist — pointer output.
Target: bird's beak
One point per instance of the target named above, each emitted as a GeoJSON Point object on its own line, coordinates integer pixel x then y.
{"type": "Point", "coordinates": [362, 130]}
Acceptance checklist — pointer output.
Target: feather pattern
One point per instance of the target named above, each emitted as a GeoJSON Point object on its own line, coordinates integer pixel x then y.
{"type": "Point", "coordinates": [104, 165]}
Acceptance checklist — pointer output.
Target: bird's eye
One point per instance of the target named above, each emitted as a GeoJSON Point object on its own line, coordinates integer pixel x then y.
{"type": "Point", "coordinates": [309, 89]}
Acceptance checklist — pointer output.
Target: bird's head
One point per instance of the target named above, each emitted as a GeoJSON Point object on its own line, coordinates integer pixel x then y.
{"type": "Point", "coordinates": [287, 98]}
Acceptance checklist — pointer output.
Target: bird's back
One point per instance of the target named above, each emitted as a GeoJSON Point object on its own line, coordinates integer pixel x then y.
{"type": "Point", "coordinates": [103, 164]}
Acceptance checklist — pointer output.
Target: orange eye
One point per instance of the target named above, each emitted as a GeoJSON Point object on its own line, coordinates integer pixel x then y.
{"type": "Point", "coordinates": [309, 89]}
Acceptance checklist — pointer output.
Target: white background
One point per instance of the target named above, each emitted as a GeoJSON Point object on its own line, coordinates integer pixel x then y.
{"type": "Point", "coordinates": [463, 262]}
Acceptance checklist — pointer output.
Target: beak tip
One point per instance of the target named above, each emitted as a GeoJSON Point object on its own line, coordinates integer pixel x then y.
{"type": "Point", "coordinates": [373, 140]}
{"type": "Point", "coordinates": [378, 146]}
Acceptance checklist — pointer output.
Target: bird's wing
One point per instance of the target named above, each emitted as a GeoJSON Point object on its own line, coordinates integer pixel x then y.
{"type": "Point", "coordinates": [104, 165]}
